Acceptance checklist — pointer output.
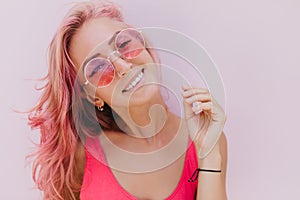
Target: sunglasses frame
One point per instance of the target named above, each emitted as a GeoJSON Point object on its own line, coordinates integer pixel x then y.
{"type": "Point", "coordinates": [116, 54]}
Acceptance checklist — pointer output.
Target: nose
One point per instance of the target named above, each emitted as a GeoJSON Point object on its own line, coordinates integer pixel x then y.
{"type": "Point", "coordinates": [122, 66]}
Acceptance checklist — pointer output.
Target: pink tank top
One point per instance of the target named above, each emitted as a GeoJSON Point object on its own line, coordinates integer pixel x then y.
{"type": "Point", "coordinates": [99, 182]}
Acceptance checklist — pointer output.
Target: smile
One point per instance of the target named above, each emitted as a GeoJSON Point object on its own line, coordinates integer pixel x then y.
{"type": "Point", "coordinates": [135, 81]}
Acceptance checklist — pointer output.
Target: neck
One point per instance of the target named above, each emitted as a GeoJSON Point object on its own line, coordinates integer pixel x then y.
{"type": "Point", "coordinates": [147, 120]}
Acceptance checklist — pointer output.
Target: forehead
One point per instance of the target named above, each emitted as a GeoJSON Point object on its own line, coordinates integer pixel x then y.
{"type": "Point", "coordinates": [90, 34]}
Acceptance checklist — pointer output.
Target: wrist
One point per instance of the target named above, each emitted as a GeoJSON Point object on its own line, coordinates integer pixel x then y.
{"type": "Point", "coordinates": [211, 162]}
{"type": "Point", "coordinates": [212, 159]}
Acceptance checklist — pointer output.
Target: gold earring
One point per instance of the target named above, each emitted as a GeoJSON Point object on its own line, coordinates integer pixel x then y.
{"type": "Point", "coordinates": [100, 108]}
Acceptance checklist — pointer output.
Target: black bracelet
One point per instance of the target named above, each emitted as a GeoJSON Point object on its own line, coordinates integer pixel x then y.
{"type": "Point", "coordinates": [196, 172]}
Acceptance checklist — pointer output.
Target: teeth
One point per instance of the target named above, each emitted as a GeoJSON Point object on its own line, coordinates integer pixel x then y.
{"type": "Point", "coordinates": [135, 81]}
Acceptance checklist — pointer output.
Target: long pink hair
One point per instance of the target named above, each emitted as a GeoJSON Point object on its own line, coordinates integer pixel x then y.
{"type": "Point", "coordinates": [54, 166]}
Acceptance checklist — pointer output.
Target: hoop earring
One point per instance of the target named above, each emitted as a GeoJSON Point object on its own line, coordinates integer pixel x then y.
{"type": "Point", "coordinates": [100, 108]}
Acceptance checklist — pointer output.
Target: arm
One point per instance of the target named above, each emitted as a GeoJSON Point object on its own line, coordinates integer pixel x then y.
{"type": "Point", "coordinates": [211, 185]}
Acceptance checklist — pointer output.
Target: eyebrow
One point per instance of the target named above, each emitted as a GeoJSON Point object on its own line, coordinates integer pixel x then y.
{"type": "Point", "coordinates": [113, 37]}
{"type": "Point", "coordinates": [89, 59]}
{"type": "Point", "coordinates": [98, 54]}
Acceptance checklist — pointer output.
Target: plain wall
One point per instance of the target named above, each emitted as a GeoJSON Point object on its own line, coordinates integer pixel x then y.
{"type": "Point", "coordinates": [255, 45]}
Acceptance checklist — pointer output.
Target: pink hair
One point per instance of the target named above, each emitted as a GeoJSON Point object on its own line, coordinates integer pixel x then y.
{"type": "Point", "coordinates": [54, 166]}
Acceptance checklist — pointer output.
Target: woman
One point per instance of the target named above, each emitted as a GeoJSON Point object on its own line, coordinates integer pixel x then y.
{"type": "Point", "coordinates": [100, 84]}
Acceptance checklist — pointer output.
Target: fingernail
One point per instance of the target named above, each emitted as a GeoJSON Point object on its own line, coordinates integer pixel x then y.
{"type": "Point", "coordinates": [196, 113]}
{"type": "Point", "coordinates": [196, 103]}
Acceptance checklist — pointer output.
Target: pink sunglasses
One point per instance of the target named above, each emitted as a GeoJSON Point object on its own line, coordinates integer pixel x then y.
{"type": "Point", "coordinates": [100, 72]}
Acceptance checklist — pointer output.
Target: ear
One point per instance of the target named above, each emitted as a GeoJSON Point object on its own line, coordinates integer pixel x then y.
{"type": "Point", "coordinates": [95, 100]}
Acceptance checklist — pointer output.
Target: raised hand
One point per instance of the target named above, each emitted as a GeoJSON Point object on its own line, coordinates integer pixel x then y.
{"type": "Point", "coordinates": [199, 105]}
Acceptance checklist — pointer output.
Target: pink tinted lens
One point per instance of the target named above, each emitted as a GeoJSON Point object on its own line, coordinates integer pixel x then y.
{"type": "Point", "coordinates": [130, 43]}
{"type": "Point", "coordinates": [99, 72]}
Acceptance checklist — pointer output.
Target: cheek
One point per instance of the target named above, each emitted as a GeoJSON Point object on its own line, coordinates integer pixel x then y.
{"type": "Point", "coordinates": [132, 54]}
{"type": "Point", "coordinates": [107, 78]}
{"type": "Point", "coordinates": [143, 58]}
{"type": "Point", "coordinates": [107, 93]}
{"type": "Point", "coordinates": [104, 94]}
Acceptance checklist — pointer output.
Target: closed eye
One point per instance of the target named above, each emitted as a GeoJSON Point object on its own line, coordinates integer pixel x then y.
{"type": "Point", "coordinates": [124, 44]}
{"type": "Point", "coordinates": [96, 69]}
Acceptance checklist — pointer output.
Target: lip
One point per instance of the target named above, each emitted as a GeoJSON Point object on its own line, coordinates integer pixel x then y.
{"type": "Point", "coordinates": [132, 79]}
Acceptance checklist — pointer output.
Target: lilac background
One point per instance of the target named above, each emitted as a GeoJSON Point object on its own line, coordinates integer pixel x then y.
{"type": "Point", "coordinates": [256, 46]}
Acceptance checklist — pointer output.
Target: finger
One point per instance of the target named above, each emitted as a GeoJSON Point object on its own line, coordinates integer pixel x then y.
{"type": "Point", "coordinates": [198, 97]}
{"type": "Point", "coordinates": [197, 109]}
{"type": "Point", "coordinates": [192, 91]}
{"type": "Point", "coordinates": [206, 105]}
{"type": "Point", "coordinates": [189, 93]}
{"type": "Point", "coordinates": [188, 110]}
{"type": "Point", "coordinates": [202, 106]}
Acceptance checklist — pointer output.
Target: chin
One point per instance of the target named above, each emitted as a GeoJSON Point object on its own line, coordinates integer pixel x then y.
{"type": "Point", "coordinates": [145, 94]}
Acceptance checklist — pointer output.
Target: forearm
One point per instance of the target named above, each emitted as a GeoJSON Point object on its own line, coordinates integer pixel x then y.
{"type": "Point", "coordinates": [211, 186]}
